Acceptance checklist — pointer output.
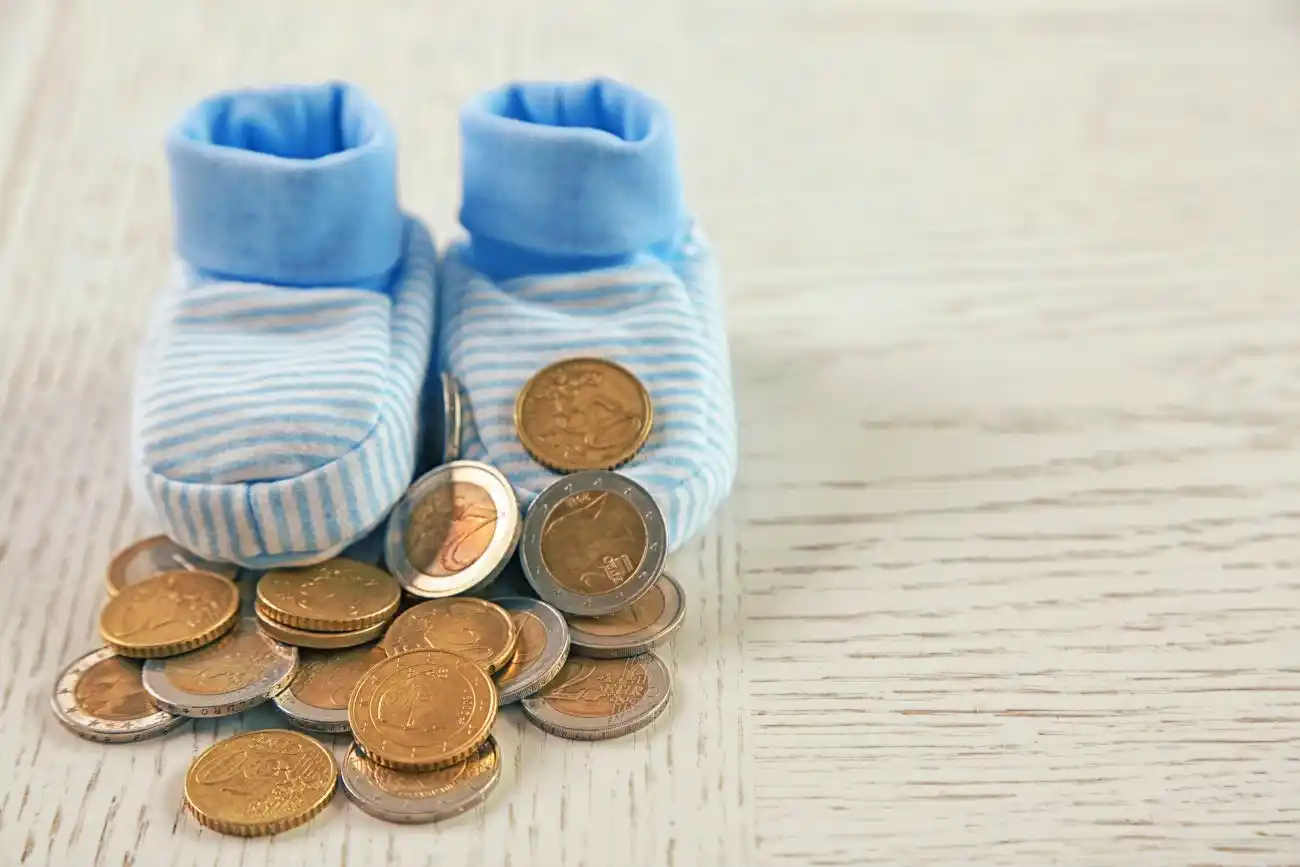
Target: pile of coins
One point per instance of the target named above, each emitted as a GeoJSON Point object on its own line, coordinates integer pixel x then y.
{"type": "Point", "coordinates": [474, 609]}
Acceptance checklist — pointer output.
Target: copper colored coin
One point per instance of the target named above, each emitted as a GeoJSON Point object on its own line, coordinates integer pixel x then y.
{"type": "Point", "coordinates": [335, 596]}
{"type": "Point", "coordinates": [583, 414]}
{"type": "Point", "coordinates": [422, 710]}
{"type": "Point", "coordinates": [169, 614]}
{"type": "Point", "coordinates": [153, 556]}
{"type": "Point", "coordinates": [474, 628]}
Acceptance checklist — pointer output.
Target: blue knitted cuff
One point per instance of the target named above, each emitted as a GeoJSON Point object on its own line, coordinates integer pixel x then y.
{"type": "Point", "coordinates": [586, 170]}
{"type": "Point", "coordinates": [292, 185]}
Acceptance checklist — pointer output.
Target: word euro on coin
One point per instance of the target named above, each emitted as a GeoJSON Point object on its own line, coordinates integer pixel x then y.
{"type": "Point", "coordinates": [169, 614]}
{"type": "Point", "coordinates": [638, 628]}
{"type": "Point", "coordinates": [476, 629]}
{"type": "Point", "coordinates": [421, 796]}
{"type": "Point", "coordinates": [422, 710]}
{"type": "Point", "coordinates": [100, 697]}
{"type": "Point", "coordinates": [593, 543]}
{"type": "Point", "coordinates": [453, 531]}
{"type": "Point", "coordinates": [317, 698]}
{"type": "Point", "coordinates": [596, 699]}
{"type": "Point", "coordinates": [335, 596]}
{"type": "Point", "coordinates": [242, 669]}
{"type": "Point", "coordinates": [583, 414]}
{"type": "Point", "coordinates": [260, 782]}
{"type": "Point", "coordinates": [541, 648]}
{"type": "Point", "coordinates": [153, 556]}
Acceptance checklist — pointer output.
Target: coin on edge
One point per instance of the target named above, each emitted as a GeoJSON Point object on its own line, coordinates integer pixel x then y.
{"type": "Point", "coordinates": [316, 640]}
{"type": "Point", "coordinates": [474, 628]}
{"type": "Point", "coordinates": [422, 710]}
{"type": "Point", "coordinates": [100, 698]}
{"type": "Point", "coordinates": [641, 627]}
{"type": "Point", "coordinates": [169, 614]}
{"type": "Point", "coordinates": [153, 556]}
{"type": "Point", "coordinates": [453, 531]}
{"type": "Point", "coordinates": [583, 414]}
{"type": "Point", "coordinates": [335, 596]}
{"type": "Point", "coordinates": [596, 699]}
{"type": "Point", "coordinates": [593, 543]}
{"type": "Point", "coordinates": [242, 669]}
{"type": "Point", "coordinates": [409, 797]}
{"type": "Point", "coordinates": [540, 650]}
{"type": "Point", "coordinates": [260, 782]}
{"type": "Point", "coordinates": [317, 697]}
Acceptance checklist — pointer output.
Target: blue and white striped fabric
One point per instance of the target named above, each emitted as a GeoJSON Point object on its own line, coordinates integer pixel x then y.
{"type": "Point", "coordinates": [278, 425]}
{"type": "Point", "coordinates": [659, 317]}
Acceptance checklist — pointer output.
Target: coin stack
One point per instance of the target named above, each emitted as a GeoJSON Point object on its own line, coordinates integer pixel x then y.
{"type": "Point", "coordinates": [558, 611]}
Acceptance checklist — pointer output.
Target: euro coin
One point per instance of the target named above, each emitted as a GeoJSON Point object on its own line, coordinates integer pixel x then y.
{"type": "Point", "coordinates": [169, 614]}
{"type": "Point", "coordinates": [596, 699]}
{"type": "Point", "coordinates": [639, 628]}
{"type": "Point", "coordinates": [541, 647]}
{"type": "Point", "coordinates": [100, 697]}
{"type": "Point", "coordinates": [335, 596]}
{"type": "Point", "coordinates": [410, 797]}
{"type": "Point", "coordinates": [242, 669]}
{"type": "Point", "coordinates": [476, 629]}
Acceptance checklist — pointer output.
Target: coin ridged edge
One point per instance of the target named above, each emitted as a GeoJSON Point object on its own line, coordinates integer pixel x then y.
{"type": "Point", "coordinates": [618, 731]}
{"type": "Point", "coordinates": [397, 817]}
{"type": "Point", "coordinates": [525, 439]}
{"type": "Point", "coordinates": [328, 624]}
{"type": "Point", "coordinates": [175, 648]}
{"type": "Point", "coordinates": [317, 640]}
{"type": "Point", "coordinates": [542, 680]}
{"type": "Point", "coordinates": [493, 665]}
{"type": "Point", "coordinates": [264, 829]}
{"type": "Point", "coordinates": [424, 766]}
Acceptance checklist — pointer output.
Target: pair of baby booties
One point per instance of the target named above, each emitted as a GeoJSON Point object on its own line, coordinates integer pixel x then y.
{"type": "Point", "coordinates": [278, 399]}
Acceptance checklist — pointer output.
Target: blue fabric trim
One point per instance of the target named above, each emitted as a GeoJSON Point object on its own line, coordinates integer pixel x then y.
{"type": "Point", "coordinates": [567, 176]}
{"type": "Point", "coordinates": [294, 186]}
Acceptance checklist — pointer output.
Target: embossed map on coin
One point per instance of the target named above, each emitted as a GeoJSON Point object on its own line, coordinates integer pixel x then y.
{"type": "Point", "coordinates": [325, 680]}
{"type": "Point", "coordinates": [111, 689]}
{"type": "Point", "coordinates": [597, 687]}
{"type": "Point", "coordinates": [169, 607]}
{"type": "Point", "coordinates": [260, 777]}
{"type": "Point", "coordinates": [583, 414]}
{"type": "Point", "coordinates": [530, 642]}
{"type": "Point", "coordinates": [473, 628]}
{"type": "Point", "coordinates": [593, 541]}
{"type": "Point", "coordinates": [450, 528]}
{"type": "Point", "coordinates": [633, 618]}
{"type": "Point", "coordinates": [232, 663]}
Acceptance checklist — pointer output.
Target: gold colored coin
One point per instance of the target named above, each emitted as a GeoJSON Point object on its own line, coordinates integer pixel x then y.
{"type": "Point", "coordinates": [316, 640]}
{"type": "Point", "coordinates": [239, 659]}
{"type": "Point", "coordinates": [593, 542]}
{"type": "Point", "coordinates": [111, 689]}
{"type": "Point", "coordinates": [325, 680]}
{"type": "Point", "coordinates": [476, 629]}
{"type": "Point", "coordinates": [260, 782]}
{"type": "Point", "coordinates": [335, 596]}
{"type": "Point", "coordinates": [596, 688]}
{"type": "Point", "coordinates": [422, 710]}
{"type": "Point", "coordinates": [153, 556]}
{"type": "Point", "coordinates": [583, 414]}
{"type": "Point", "coordinates": [529, 645]}
{"type": "Point", "coordinates": [169, 614]}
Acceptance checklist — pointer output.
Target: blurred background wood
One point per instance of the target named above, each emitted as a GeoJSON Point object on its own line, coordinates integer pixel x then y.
{"type": "Point", "coordinates": [1009, 576]}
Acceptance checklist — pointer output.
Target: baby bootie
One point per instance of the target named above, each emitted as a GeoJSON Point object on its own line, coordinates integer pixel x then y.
{"type": "Point", "coordinates": [580, 245]}
{"type": "Point", "coordinates": [276, 401]}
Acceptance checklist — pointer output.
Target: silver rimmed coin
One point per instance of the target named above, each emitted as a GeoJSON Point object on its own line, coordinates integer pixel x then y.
{"type": "Point", "coordinates": [317, 697]}
{"type": "Point", "coordinates": [410, 797]}
{"type": "Point", "coordinates": [638, 628]}
{"type": "Point", "coordinates": [443, 417]}
{"type": "Point", "coordinates": [593, 543]}
{"type": "Point", "coordinates": [241, 670]}
{"type": "Point", "coordinates": [453, 531]}
{"type": "Point", "coordinates": [541, 647]}
{"type": "Point", "coordinates": [100, 697]}
{"type": "Point", "coordinates": [154, 556]}
{"type": "Point", "coordinates": [596, 699]}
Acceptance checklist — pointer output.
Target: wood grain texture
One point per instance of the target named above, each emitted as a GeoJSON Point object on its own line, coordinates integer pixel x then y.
{"type": "Point", "coordinates": [1010, 575]}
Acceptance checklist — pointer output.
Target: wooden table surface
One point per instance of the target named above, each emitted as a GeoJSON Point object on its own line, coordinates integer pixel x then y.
{"type": "Point", "coordinates": [1010, 572]}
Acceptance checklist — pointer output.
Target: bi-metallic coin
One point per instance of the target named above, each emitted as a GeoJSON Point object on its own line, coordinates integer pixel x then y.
{"type": "Point", "coordinates": [422, 710]}
{"type": "Point", "coordinates": [639, 628]}
{"type": "Point", "coordinates": [240, 670]}
{"type": "Point", "coordinates": [169, 614]}
{"type": "Point", "coordinates": [411, 797]}
{"type": "Point", "coordinates": [476, 629]}
{"type": "Point", "coordinates": [335, 596]}
{"type": "Point", "coordinates": [593, 543]}
{"type": "Point", "coordinates": [153, 556]}
{"type": "Point", "coordinates": [100, 697]}
{"type": "Point", "coordinates": [260, 782]}
{"type": "Point", "coordinates": [453, 531]}
{"type": "Point", "coordinates": [541, 647]}
{"type": "Point", "coordinates": [595, 699]}
{"type": "Point", "coordinates": [583, 414]}
{"type": "Point", "coordinates": [317, 698]}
